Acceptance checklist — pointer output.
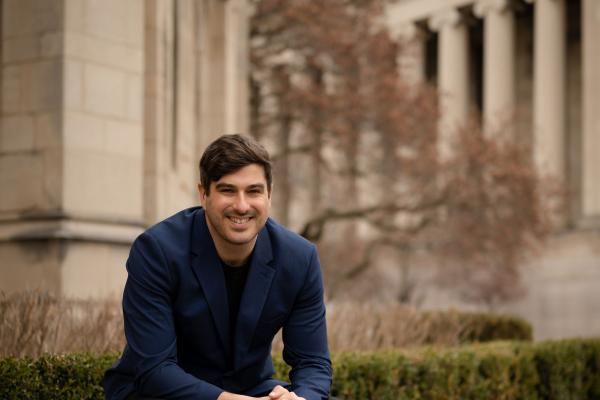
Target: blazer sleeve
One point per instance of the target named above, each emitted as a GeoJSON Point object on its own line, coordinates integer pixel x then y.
{"type": "Point", "coordinates": [305, 338]}
{"type": "Point", "coordinates": [150, 329]}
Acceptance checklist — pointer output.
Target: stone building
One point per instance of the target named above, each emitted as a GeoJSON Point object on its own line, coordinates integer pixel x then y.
{"type": "Point", "coordinates": [106, 104]}
{"type": "Point", "coordinates": [536, 62]}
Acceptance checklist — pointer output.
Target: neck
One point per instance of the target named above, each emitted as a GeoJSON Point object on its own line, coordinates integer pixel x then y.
{"type": "Point", "coordinates": [232, 254]}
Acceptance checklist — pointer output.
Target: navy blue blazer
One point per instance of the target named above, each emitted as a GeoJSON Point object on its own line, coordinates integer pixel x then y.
{"type": "Point", "coordinates": [177, 318]}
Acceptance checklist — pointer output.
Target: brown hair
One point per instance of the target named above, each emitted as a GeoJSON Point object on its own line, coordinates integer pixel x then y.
{"type": "Point", "coordinates": [230, 153]}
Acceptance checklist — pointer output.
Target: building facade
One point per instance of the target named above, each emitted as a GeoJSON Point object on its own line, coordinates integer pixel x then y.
{"type": "Point", "coordinates": [105, 106]}
{"type": "Point", "coordinates": [535, 63]}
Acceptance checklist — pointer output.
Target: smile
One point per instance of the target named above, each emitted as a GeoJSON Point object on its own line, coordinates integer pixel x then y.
{"type": "Point", "coordinates": [239, 220]}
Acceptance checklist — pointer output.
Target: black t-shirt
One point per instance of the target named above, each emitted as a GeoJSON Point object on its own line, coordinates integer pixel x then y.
{"type": "Point", "coordinates": [235, 280]}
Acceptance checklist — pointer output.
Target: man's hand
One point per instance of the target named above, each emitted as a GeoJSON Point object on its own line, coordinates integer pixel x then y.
{"type": "Point", "coordinates": [278, 393]}
{"type": "Point", "coordinates": [233, 396]}
{"type": "Point", "coordinates": [281, 393]}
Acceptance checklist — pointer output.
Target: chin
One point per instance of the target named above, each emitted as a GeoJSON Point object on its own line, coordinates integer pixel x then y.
{"type": "Point", "coordinates": [240, 240]}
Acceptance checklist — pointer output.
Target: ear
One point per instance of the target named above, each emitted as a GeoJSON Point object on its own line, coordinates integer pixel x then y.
{"type": "Point", "coordinates": [202, 195]}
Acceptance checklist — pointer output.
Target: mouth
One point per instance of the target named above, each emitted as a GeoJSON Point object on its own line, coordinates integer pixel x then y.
{"type": "Point", "coordinates": [239, 220]}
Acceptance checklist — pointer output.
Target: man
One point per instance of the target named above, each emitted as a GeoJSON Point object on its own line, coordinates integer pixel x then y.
{"type": "Point", "coordinates": [209, 287]}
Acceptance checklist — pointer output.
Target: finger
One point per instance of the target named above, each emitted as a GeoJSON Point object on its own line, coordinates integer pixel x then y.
{"type": "Point", "coordinates": [277, 392]}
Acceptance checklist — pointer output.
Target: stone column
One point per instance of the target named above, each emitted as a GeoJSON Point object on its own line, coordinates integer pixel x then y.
{"type": "Point", "coordinates": [499, 61]}
{"type": "Point", "coordinates": [237, 60]}
{"type": "Point", "coordinates": [549, 87]}
{"type": "Point", "coordinates": [211, 91]}
{"type": "Point", "coordinates": [591, 111]}
{"type": "Point", "coordinates": [71, 144]}
{"type": "Point", "coordinates": [453, 74]}
{"type": "Point", "coordinates": [31, 144]}
{"type": "Point", "coordinates": [170, 108]}
{"type": "Point", "coordinates": [224, 63]}
{"type": "Point", "coordinates": [411, 58]}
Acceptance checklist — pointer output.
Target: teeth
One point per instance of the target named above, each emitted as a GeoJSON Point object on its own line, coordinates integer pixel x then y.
{"type": "Point", "coordinates": [238, 220]}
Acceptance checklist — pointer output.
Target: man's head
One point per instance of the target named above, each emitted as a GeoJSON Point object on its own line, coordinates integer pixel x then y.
{"type": "Point", "coordinates": [230, 153]}
{"type": "Point", "coordinates": [235, 192]}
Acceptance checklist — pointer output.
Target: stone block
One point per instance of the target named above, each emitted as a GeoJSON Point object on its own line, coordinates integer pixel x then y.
{"type": "Point", "coordinates": [94, 270]}
{"type": "Point", "coordinates": [135, 97]}
{"type": "Point", "coordinates": [77, 45]}
{"type": "Point", "coordinates": [17, 17]}
{"type": "Point", "coordinates": [124, 138]}
{"type": "Point", "coordinates": [73, 84]}
{"type": "Point", "coordinates": [102, 184]}
{"type": "Point", "coordinates": [52, 179]}
{"type": "Point", "coordinates": [83, 131]}
{"type": "Point", "coordinates": [17, 133]}
{"type": "Point", "coordinates": [48, 15]}
{"type": "Point", "coordinates": [111, 19]}
{"type": "Point", "coordinates": [51, 44]}
{"type": "Point", "coordinates": [20, 48]}
{"type": "Point", "coordinates": [11, 89]}
{"type": "Point", "coordinates": [21, 182]}
{"type": "Point", "coordinates": [105, 91]}
{"type": "Point", "coordinates": [30, 265]}
{"type": "Point", "coordinates": [74, 15]}
{"type": "Point", "coordinates": [22, 17]}
{"type": "Point", "coordinates": [48, 134]}
{"type": "Point", "coordinates": [105, 52]}
{"type": "Point", "coordinates": [136, 20]}
{"type": "Point", "coordinates": [40, 85]}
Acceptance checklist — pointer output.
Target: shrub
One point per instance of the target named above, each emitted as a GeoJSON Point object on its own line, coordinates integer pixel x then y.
{"type": "Point", "coordinates": [33, 323]}
{"type": "Point", "coordinates": [486, 327]}
{"type": "Point", "coordinates": [75, 376]}
{"type": "Point", "coordinates": [353, 326]}
{"type": "Point", "coordinates": [36, 322]}
{"type": "Point", "coordinates": [567, 369]}
{"type": "Point", "coordinates": [501, 370]}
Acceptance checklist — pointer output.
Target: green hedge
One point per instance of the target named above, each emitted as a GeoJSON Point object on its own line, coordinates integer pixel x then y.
{"type": "Point", "coordinates": [502, 370]}
{"type": "Point", "coordinates": [74, 376]}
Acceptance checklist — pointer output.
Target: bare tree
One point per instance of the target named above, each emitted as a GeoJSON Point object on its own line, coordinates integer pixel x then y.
{"type": "Point", "coordinates": [376, 182]}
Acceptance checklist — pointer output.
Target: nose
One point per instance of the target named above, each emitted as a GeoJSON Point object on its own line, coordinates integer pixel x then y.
{"type": "Point", "coordinates": [241, 205]}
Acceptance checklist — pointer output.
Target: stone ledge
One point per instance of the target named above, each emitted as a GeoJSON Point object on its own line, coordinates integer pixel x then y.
{"type": "Point", "coordinates": [70, 229]}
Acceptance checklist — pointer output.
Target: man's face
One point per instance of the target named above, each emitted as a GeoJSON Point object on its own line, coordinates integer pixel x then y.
{"type": "Point", "coordinates": [237, 207]}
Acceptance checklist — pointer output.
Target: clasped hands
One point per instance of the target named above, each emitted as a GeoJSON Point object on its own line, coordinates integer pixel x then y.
{"type": "Point", "coordinates": [281, 393]}
{"type": "Point", "coordinates": [278, 393]}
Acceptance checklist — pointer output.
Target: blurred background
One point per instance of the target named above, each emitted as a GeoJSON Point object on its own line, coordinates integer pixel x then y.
{"type": "Point", "coordinates": [442, 154]}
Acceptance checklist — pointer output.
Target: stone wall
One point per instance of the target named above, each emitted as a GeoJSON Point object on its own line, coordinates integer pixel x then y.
{"type": "Point", "coordinates": [103, 114]}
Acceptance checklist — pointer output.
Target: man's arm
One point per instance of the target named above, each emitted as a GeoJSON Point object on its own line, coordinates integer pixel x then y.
{"type": "Point", "coordinates": [150, 329]}
{"type": "Point", "coordinates": [305, 338]}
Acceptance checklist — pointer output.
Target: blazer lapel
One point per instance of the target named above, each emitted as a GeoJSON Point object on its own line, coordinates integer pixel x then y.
{"type": "Point", "coordinates": [255, 294]}
{"type": "Point", "coordinates": [207, 268]}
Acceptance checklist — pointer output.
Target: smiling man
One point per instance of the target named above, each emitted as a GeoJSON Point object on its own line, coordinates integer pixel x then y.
{"type": "Point", "coordinates": [209, 287]}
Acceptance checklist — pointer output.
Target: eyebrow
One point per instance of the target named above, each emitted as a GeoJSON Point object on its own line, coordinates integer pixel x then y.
{"type": "Point", "coordinates": [230, 186]}
{"type": "Point", "coordinates": [257, 186]}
